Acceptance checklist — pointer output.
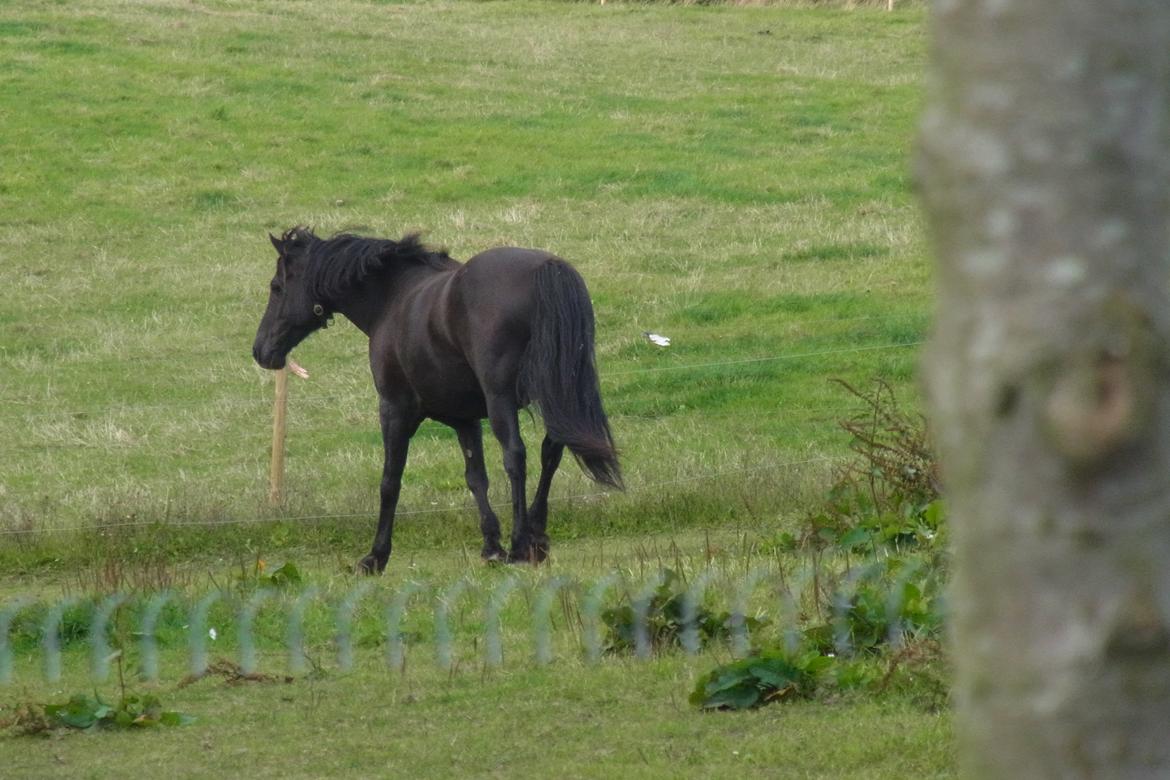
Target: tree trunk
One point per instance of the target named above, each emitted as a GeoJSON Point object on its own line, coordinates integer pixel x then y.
{"type": "Point", "coordinates": [1043, 165]}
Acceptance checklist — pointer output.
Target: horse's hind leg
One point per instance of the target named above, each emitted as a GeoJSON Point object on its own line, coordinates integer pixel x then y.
{"type": "Point", "coordinates": [550, 460]}
{"type": "Point", "coordinates": [471, 442]}
{"type": "Point", "coordinates": [503, 416]}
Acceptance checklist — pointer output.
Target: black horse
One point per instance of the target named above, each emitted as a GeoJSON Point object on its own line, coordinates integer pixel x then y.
{"type": "Point", "coordinates": [455, 343]}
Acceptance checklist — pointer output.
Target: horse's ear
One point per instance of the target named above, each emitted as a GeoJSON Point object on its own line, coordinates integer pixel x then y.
{"type": "Point", "coordinates": [278, 243]}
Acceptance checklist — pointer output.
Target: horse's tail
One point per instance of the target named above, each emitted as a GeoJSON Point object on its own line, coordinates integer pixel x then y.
{"type": "Point", "coordinates": [558, 373]}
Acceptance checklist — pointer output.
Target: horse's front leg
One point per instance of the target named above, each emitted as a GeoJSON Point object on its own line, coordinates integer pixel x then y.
{"type": "Point", "coordinates": [505, 422]}
{"type": "Point", "coordinates": [398, 424]}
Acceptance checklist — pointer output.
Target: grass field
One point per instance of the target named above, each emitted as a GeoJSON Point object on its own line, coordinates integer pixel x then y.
{"type": "Point", "coordinates": [732, 177]}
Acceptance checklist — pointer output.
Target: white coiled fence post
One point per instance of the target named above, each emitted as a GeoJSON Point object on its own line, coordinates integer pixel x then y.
{"type": "Point", "coordinates": [295, 630]}
{"type": "Point", "coordinates": [643, 642]}
{"type": "Point", "coordinates": [492, 645]}
{"type": "Point", "coordinates": [842, 605]}
{"type": "Point", "coordinates": [592, 615]}
{"type": "Point", "coordinates": [148, 646]}
{"type": "Point", "coordinates": [790, 601]}
{"type": "Point", "coordinates": [691, 640]}
{"type": "Point", "coordinates": [197, 632]}
{"type": "Point", "coordinates": [345, 612]}
{"type": "Point", "coordinates": [7, 615]}
{"type": "Point", "coordinates": [395, 657]}
{"type": "Point", "coordinates": [443, 639]}
{"type": "Point", "coordinates": [244, 628]}
{"type": "Point", "coordinates": [101, 652]}
{"type": "Point", "coordinates": [541, 620]}
{"type": "Point", "coordinates": [896, 604]}
{"type": "Point", "coordinates": [740, 641]}
{"type": "Point", "coordinates": [51, 637]}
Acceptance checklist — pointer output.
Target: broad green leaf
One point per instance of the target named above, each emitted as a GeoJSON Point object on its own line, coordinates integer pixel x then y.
{"type": "Point", "coordinates": [736, 698]}
{"type": "Point", "coordinates": [774, 675]}
{"type": "Point", "coordinates": [818, 664]}
{"type": "Point", "coordinates": [858, 535]}
{"type": "Point", "coordinates": [726, 679]}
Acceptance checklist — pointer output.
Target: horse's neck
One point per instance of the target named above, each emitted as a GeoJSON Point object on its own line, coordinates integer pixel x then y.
{"type": "Point", "coordinates": [369, 303]}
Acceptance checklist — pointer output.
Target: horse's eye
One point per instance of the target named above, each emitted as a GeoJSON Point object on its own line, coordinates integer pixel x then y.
{"type": "Point", "coordinates": [276, 288]}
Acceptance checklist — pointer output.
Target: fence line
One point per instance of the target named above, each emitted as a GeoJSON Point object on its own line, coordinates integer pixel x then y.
{"type": "Point", "coordinates": [465, 506]}
{"type": "Point", "coordinates": [591, 598]}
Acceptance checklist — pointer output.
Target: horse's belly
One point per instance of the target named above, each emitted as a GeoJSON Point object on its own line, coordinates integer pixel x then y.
{"type": "Point", "coordinates": [455, 406]}
{"type": "Point", "coordinates": [450, 391]}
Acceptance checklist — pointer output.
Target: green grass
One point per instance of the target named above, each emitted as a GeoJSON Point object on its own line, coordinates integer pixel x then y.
{"type": "Point", "coordinates": [619, 719]}
{"type": "Point", "coordinates": [733, 177]}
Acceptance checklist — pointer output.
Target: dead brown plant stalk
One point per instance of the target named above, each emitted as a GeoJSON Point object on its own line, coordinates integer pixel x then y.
{"type": "Point", "coordinates": [896, 460]}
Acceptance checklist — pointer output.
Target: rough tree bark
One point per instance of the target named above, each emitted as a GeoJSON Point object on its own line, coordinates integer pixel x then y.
{"type": "Point", "coordinates": [1044, 171]}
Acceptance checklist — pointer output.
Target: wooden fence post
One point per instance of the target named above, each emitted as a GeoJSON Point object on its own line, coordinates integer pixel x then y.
{"type": "Point", "coordinates": [279, 418]}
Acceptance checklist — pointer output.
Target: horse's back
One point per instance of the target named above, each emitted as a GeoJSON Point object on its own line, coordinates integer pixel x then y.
{"type": "Point", "coordinates": [500, 282]}
{"type": "Point", "coordinates": [505, 263]}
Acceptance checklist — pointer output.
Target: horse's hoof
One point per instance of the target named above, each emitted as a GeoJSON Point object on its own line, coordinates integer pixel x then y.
{"type": "Point", "coordinates": [369, 565]}
{"type": "Point", "coordinates": [494, 556]}
{"type": "Point", "coordinates": [529, 553]}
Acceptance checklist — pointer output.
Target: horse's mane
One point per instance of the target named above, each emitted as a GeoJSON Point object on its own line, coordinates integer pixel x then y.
{"type": "Point", "coordinates": [335, 266]}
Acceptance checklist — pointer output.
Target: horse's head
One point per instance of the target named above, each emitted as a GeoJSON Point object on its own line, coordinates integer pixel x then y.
{"type": "Point", "coordinates": [292, 312]}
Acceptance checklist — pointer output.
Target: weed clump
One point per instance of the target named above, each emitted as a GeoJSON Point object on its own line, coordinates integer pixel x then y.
{"type": "Point", "coordinates": [86, 712]}
{"type": "Point", "coordinates": [89, 712]}
{"type": "Point", "coordinates": [878, 561]}
{"type": "Point", "coordinates": [768, 677]}
{"type": "Point", "coordinates": [666, 620]}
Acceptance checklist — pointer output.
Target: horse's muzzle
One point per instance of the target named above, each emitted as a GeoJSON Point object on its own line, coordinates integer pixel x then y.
{"type": "Point", "coordinates": [268, 359]}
